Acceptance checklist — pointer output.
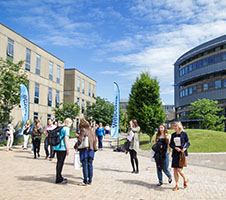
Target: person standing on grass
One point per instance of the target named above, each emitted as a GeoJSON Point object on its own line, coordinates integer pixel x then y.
{"type": "Point", "coordinates": [26, 132]}
{"type": "Point", "coordinates": [62, 150]}
{"type": "Point", "coordinates": [162, 141]}
{"type": "Point", "coordinates": [36, 137]}
{"type": "Point", "coordinates": [50, 126]}
{"type": "Point", "coordinates": [9, 132]}
{"type": "Point", "coordinates": [100, 133]}
{"type": "Point", "coordinates": [86, 154]}
{"type": "Point", "coordinates": [134, 145]}
{"type": "Point", "coordinates": [179, 143]}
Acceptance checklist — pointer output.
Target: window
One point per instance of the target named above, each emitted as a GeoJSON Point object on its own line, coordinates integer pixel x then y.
{"type": "Point", "coordinates": [217, 84]}
{"type": "Point", "coordinates": [78, 101]}
{"type": "Point", "coordinates": [224, 82]}
{"type": "Point", "coordinates": [93, 91]}
{"type": "Point", "coordinates": [190, 67]}
{"type": "Point", "coordinates": [186, 70]}
{"type": "Point", "coordinates": [194, 89]}
{"type": "Point", "coordinates": [35, 116]}
{"type": "Point", "coordinates": [57, 97]}
{"type": "Point", "coordinates": [58, 74]}
{"type": "Point", "coordinates": [28, 60]}
{"type": "Point", "coordinates": [50, 70]}
{"type": "Point", "coordinates": [10, 49]}
{"type": "Point", "coordinates": [205, 86]}
{"type": "Point", "coordinates": [78, 84]}
{"type": "Point", "coordinates": [199, 88]}
{"type": "Point", "coordinates": [90, 89]}
{"type": "Point", "coordinates": [83, 86]}
{"type": "Point", "coordinates": [180, 72]}
{"type": "Point", "coordinates": [224, 56]}
{"type": "Point", "coordinates": [36, 99]}
{"type": "Point", "coordinates": [190, 90]}
{"type": "Point", "coordinates": [217, 58]}
{"type": "Point", "coordinates": [38, 64]}
{"type": "Point", "coordinates": [211, 60]}
{"type": "Point", "coordinates": [199, 64]}
{"type": "Point", "coordinates": [186, 92]}
{"type": "Point", "coordinates": [83, 105]}
{"type": "Point", "coordinates": [50, 97]}
{"type": "Point", "coordinates": [205, 61]}
{"type": "Point", "coordinates": [211, 85]}
{"type": "Point", "coordinates": [194, 66]}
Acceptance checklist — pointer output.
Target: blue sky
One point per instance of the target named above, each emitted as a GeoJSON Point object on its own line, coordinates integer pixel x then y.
{"type": "Point", "coordinates": [116, 40]}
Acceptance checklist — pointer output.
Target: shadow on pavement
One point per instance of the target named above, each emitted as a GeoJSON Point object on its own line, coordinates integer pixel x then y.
{"type": "Point", "coordinates": [112, 170]}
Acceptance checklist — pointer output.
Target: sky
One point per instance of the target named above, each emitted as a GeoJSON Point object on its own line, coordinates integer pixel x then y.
{"type": "Point", "coordinates": [117, 40]}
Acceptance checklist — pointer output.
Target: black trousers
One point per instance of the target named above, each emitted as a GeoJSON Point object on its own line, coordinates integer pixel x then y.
{"type": "Point", "coordinates": [133, 158]}
{"type": "Point", "coordinates": [60, 163]}
{"type": "Point", "coordinates": [36, 143]}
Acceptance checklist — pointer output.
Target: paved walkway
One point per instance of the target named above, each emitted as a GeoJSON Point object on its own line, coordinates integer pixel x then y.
{"type": "Point", "coordinates": [22, 177]}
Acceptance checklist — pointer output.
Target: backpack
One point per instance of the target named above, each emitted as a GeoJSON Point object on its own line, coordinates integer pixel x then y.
{"type": "Point", "coordinates": [54, 136]}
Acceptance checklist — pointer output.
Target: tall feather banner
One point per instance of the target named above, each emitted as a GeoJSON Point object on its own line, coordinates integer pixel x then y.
{"type": "Point", "coordinates": [115, 121]}
{"type": "Point", "coordinates": [24, 104]}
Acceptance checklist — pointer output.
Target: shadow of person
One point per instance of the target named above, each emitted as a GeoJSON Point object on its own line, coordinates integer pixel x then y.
{"type": "Point", "coordinates": [112, 170]}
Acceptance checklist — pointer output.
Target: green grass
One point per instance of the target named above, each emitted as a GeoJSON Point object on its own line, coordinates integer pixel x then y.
{"type": "Point", "coordinates": [200, 140]}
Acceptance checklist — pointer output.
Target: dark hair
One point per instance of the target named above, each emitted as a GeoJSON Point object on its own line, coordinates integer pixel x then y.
{"type": "Point", "coordinates": [135, 122]}
{"type": "Point", "coordinates": [36, 121]}
{"type": "Point", "coordinates": [159, 133]}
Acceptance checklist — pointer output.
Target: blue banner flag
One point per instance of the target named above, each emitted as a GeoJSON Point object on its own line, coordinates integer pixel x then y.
{"type": "Point", "coordinates": [115, 121]}
{"type": "Point", "coordinates": [24, 104]}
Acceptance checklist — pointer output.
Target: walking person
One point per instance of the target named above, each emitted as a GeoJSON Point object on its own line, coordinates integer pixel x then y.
{"type": "Point", "coordinates": [100, 133]}
{"type": "Point", "coordinates": [50, 126]}
{"type": "Point", "coordinates": [26, 132]}
{"type": "Point", "coordinates": [134, 145]}
{"type": "Point", "coordinates": [107, 129]}
{"type": "Point", "coordinates": [9, 132]}
{"type": "Point", "coordinates": [86, 154]}
{"type": "Point", "coordinates": [36, 137]}
{"type": "Point", "coordinates": [162, 153]}
{"type": "Point", "coordinates": [62, 150]}
{"type": "Point", "coordinates": [179, 143]}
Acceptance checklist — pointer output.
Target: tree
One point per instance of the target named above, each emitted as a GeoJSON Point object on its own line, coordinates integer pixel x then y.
{"type": "Point", "coordinates": [145, 105]}
{"type": "Point", "coordinates": [209, 112]}
{"type": "Point", "coordinates": [66, 110]}
{"type": "Point", "coordinates": [11, 76]}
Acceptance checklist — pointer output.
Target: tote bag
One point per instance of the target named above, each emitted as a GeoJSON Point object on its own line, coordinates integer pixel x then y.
{"type": "Point", "coordinates": [77, 163]}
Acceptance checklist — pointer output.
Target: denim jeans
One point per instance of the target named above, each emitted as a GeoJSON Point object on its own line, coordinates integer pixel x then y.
{"type": "Point", "coordinates": [165, 169]}
{"type": "Point", "coordinates": [100, 142]}
{"type": "Point", "coordinates": [46, 145]}
{"type": "Point", "coordinates": [87, 168]}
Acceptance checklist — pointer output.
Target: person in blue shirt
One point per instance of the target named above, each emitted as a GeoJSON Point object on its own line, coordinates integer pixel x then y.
{"type": "Point", "coordinates": [100, 133]}
{"type": "Point", "coordinates": [62, 150]}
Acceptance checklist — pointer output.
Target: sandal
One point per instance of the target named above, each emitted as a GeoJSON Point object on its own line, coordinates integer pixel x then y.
{"type": "Point", "coordinates": [176, 188]}
{"type": "Point", "coordinates": [186, 183]}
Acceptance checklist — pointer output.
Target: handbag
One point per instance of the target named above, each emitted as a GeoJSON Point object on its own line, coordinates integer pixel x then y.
{"type": "Point", "coordinates": [126, 145]}
{"type": "Point", "coordinates": [77, 163]}
{"type": "Point", "coordinates": [85, 142]}
{"type": "Point", "coordinates": [182, 161]}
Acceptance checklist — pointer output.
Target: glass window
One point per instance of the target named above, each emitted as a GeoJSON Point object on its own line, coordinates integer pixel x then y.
{"type": "Point", "coordinates": [224, 56]}
{"type": "Point", "coordinates": [217, 58]}
{"type": "Point", "coordinates": [190, 90]}
{"type": "Point", "coordinates": [186, 92]}
{"type": "Point", "coordinates": [58, 74]}
{"type": "Point", "coordinates": [199, 88]}
{"type": "Point", "coordinates": [57, 97]}
{"type": "Point", "coordinates": [78, 101]}
{"type": "Point", "coordinates": [205, 86]}
{"type": "Point", "coordinates": [90, 89]}
{"type": "Point", "coordinates": [28, 60]}
{"type": "Point", "coordinates": [194, 66]}
{"type": "Point", "coordinates": [211, 85]}
{"type": "Point", "coordinates": [205, 61]}
{"type": "Point", "coordinates": [78, 84]}
{"type": "Point", "coordinates": [180, 72]}
{"type": "Point", "coordinates": [194, 89]}
{"type": "Point", "coordinates": [211, 60]}
{"type": "Point", "coordinates": [224, 82]}
{"type": "Point", "coordinates": [50, 97]}
{"type": "Point", "coordinates": [36, 99]}
{"type": "Point", "coordinates": [83, 86]}
{"type": "Point", "coordinates": [186, 70]}
{"type": "Point", "coordinates": [50, 70]}
{"type": "Point", "coordinates": [10, 49]}
{"type": "Point", "coordinates": [35, 116]}
{"type": "Point", "coordinates": [217, 84]}
{"type": "Point", "coordinates": [83, 105]}
{"type": "Point", "coordinates": [38, 64]}
{"type": "Point", "coordinates": [190, 67]}
{"type": "Point", "coordinates": [93, 95]}
{"type": "Point", "coordinates": [199, 64]}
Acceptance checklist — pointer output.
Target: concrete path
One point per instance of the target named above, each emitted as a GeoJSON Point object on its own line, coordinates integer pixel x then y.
{"type": "Point", "coordinates": [22, 177]}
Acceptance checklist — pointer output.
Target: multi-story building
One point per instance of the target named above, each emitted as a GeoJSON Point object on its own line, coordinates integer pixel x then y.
{"type": "Point", "coordinates": [45, 73]}
{"type": "Point", "coordinates": [200, 73]}
{"type": "Point", "coordinates": [123, 104]}
{"type": "Point", "coordinates": [80, 89]}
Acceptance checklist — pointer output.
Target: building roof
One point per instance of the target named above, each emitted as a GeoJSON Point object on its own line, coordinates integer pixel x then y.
{"type": "Point", "coordinates": [74, 69]}
{"type": "Point", "coordinates": [202, 47]}
{"type": "Point", "coordinates": [30, 41]}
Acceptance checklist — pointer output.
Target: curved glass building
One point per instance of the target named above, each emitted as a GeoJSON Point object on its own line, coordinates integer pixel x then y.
{"type": "Point", "coordinates": [200, 73]}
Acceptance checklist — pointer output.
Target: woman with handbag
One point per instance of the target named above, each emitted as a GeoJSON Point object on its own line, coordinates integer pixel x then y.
{"type": "Point", "coordinates": [179, 143]}
{"type": "Point", "coordinates": [36, 137]}
{"type": "Point", "coordinates": [86, 145]}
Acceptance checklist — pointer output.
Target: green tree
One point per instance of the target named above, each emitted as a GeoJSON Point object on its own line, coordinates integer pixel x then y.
{"type": "Point", "coordinates": [209, 112]}
{"type": "Point", "coordinates": [66, 110]}
{"type": "Point", "coordinates": [11, 76]}
{"type": "Point", "coordinates": [145, 105]}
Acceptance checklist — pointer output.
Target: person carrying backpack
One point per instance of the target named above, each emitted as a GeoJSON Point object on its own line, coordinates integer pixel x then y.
{"type": "Point", "coordinates": [62, 150]}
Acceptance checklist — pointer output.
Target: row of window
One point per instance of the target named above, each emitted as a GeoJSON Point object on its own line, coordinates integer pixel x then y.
{"type": "Point", "coordinates": [50, 96]}
{"type": "Point", "coordinates": [203, 87]}
{"type": "Point", "coordinates": [36, 116]}
{"type": "Point", "coordinates": [83, 87]}
{"type": "Point", "coordinates": [83, 104]}
{"type": "Point", "coordinates": [203, 63]}
{"type": "Point", "coordinates": [10, 54]}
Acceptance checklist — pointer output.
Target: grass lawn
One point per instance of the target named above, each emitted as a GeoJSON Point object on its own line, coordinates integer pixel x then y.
{"type": "Point", "coordinates": [200, 140]}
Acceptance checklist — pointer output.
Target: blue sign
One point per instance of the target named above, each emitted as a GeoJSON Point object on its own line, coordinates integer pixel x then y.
{"type": "Point", "coordinates": [115, 121]}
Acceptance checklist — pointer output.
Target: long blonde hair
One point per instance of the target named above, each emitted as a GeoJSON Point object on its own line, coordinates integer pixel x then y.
{"type": "Point", "coordinates": [68, 122]}
{"type": "Point", "coordinates": [180, 126]}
